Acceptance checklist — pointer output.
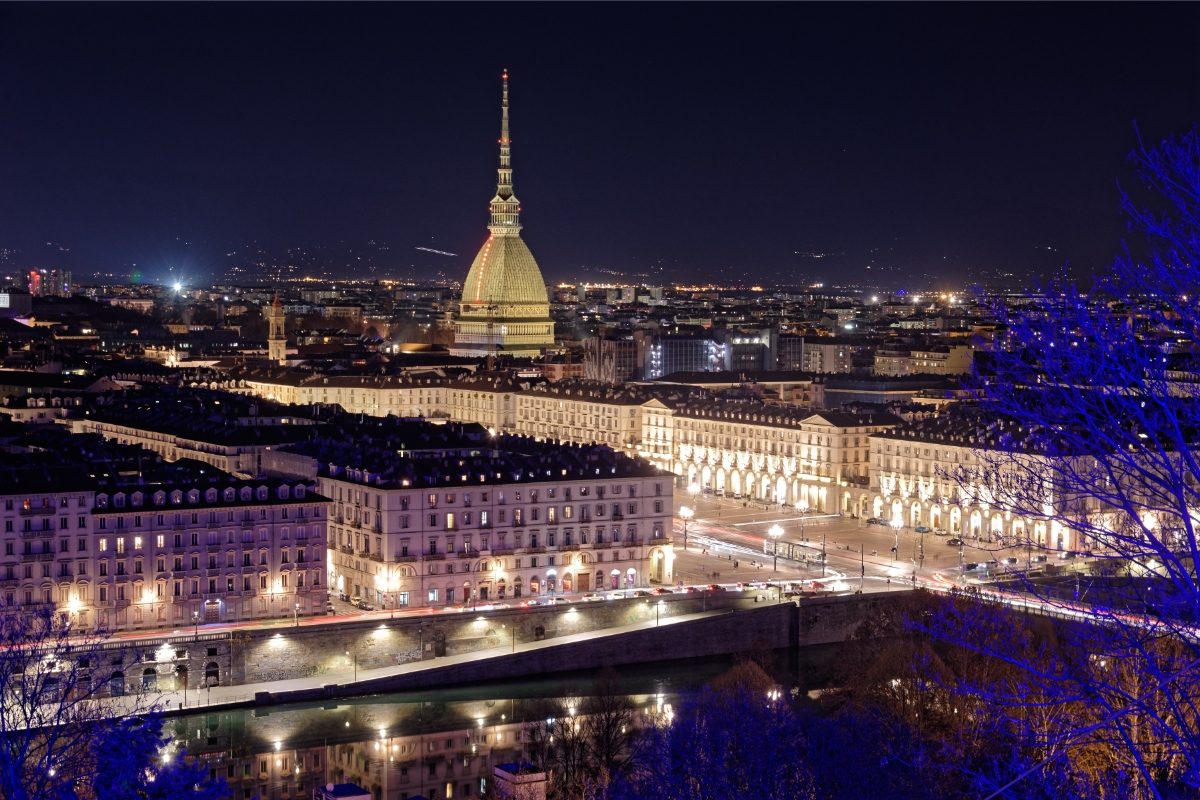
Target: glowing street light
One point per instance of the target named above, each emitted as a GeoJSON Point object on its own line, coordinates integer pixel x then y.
{"type": "Point", "coordinates": [686, 513]}
{"type": "Point", "coordinates": [775, 532]}
{"type": "Point", "coordinates": [802, 509]}
{"type": "Point", "coordinates": [896, 526]}
{"type": "Point", "coordinates": [693, 489]}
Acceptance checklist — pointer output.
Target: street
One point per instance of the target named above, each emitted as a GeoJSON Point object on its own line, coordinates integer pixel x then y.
{"type": "Point", "coordinates": [725, 531]}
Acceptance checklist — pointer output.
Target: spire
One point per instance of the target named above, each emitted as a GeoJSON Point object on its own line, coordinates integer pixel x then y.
{"type": "Point", "coordinates": [505, 207]}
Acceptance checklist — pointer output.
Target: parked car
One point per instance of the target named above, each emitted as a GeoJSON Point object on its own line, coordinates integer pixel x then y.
{"type": "Point", "coordinates": [660, 590]}
{"type": "Point", "coordinates": [955, 542]}
{"type": "Point", "coordinates": [921, 529]}
{"type": "Point", "coordinates": [641, 593]}
{"type": "Point", "coordinates": [591, 597]}
{"type": "Point", "coordinates": [876, 521]}
{"type": "Point", "coordinates": [712, 587]}
{"type": "Point", "coordinates": [940, 532]}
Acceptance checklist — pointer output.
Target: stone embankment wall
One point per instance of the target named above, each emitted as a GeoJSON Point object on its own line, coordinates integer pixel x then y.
{"type": "Point", "coordinates": [271, 655]}
{"type": "Point", "coordinates": [754, 621]}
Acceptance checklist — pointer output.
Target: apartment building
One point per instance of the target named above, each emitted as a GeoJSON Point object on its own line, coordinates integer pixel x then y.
{"type": "Point", "coordinates": [115, 537]}
{"type": "Point", "coordinates": [475, 517]}
{"type": "Point", "coordinates": [917, 474]}
{"type": "Point", "coordinates": [780, 454]}
{"type": "Point", "coordinates": [189, 553]}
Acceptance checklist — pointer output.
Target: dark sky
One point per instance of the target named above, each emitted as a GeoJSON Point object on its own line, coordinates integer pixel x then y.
{"type": "Point", "coordinates": [719, 140]}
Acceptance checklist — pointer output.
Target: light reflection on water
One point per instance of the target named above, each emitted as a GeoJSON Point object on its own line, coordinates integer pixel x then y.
{"type": "Point", "coordinates": [435, 744]}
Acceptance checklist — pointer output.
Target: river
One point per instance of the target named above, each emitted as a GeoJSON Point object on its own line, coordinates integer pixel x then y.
{"type": "Point", "coordinates": [436, 744]}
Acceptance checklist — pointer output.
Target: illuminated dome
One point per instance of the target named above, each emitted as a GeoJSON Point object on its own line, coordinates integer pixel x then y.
{"type": "Point", "coordinates": [504, 306]}
{"type": "Point", "coordinates": [504, 272]}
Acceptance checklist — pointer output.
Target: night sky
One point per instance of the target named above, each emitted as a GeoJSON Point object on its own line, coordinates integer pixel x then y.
{"type": "Point", "coordinates": [767, 142]}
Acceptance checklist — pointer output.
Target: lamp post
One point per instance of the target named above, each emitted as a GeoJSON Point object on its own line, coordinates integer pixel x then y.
{"type": "Point", "coordinates": [354, 657]}
{"type": "Point", "coordinates": [296, 614]}
{"type": "Point", "coordinates": [802, 509]}
{"type": "Point", "coordinates": [896, 525]}
{"type": "Point", "coordinates": [693, 491]}
{"type": "Point", "coordinates": [775, 532]}
{"type": "Point", "coordinates": [196, 624]}
{"type": "Point", "coordinates": [686, 513]}
{"type": "Point", "coordinates": [822, 554]}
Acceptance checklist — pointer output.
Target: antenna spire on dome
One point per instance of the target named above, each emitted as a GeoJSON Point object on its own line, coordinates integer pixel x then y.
{"type": "Point", "coordinates": [505, 207]}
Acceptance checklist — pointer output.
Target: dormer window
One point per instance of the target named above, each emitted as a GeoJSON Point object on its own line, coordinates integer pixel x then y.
{"type": "Point", "coordinates": [176, 497]}
{"type": "Point", "coordinates": [299, 492]}
{"type": "Point", "coordinates": [160, 498]}
{"type": "Point", "coordinates": [229, 495]}
{"type": "Point", "coordinates": [283, 492]}
{"type": "Point", "coordinates": [119, 500]}
{"type": "Point", "coordinates": [210, 496]}
{"type": "Point", "coordinates": [136, 499]}
{"type": "Point", "coordinates": [261, 494]}
{"type": "Point", "coordinates": [245, 494]}
{"type": "Point", "coordinates": [193, 496]}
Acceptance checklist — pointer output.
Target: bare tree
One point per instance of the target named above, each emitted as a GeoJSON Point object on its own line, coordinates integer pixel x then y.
{"type": "Point", "coordinates": [61, 734]}
{"type": "Point", "coordinates": [1092, 417]}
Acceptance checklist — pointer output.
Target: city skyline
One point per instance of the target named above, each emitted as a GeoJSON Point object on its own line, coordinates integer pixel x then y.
{"type": "Point", "coordinates": [830, 147]}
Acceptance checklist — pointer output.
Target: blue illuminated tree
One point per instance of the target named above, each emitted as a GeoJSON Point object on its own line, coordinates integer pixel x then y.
{"type": "Point", "coordinates": [1091, 414]}
{"type": "Point", "coordinates": [63, 737]}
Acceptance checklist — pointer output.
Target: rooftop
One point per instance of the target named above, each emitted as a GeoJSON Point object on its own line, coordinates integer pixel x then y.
{"type": "Point", "coordinates": [393, 453]}
{"type": "Point", "coordinates": [202, 415]}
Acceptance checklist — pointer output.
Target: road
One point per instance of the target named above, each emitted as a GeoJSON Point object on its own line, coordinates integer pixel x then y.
{"type": "Point", "coordinates": [855, 551]}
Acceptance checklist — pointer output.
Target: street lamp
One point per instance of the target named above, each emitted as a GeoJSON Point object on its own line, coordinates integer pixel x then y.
{"type": "Point", "coordinates": [354, 656]}
{"type": "Point", "coordinates": [693, 491]}
{"type": "Point", "coordinates": [896, 526]}
{"type": "Point", "coordinates": [802, 509]}
{"type": "Point", "coordinates": [775, 532]}
{"type": "Point", "coordinates": [686, 513]}
{"type": "Point", "coordinates": [296, 614]}
{"type": "Point", "coordinates": [196, 624]}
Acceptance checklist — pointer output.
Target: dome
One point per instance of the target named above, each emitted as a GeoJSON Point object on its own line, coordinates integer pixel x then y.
{"type": "Point", "coordinates": [504, 273]}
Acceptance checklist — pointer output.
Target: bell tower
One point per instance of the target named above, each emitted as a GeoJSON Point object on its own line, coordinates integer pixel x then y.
{"type": "Point", "coordinates": [276, 337]}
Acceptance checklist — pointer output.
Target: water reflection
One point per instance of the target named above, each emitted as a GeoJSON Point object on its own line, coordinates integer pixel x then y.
{"type": "Point", "coordinates": [434, 744]}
